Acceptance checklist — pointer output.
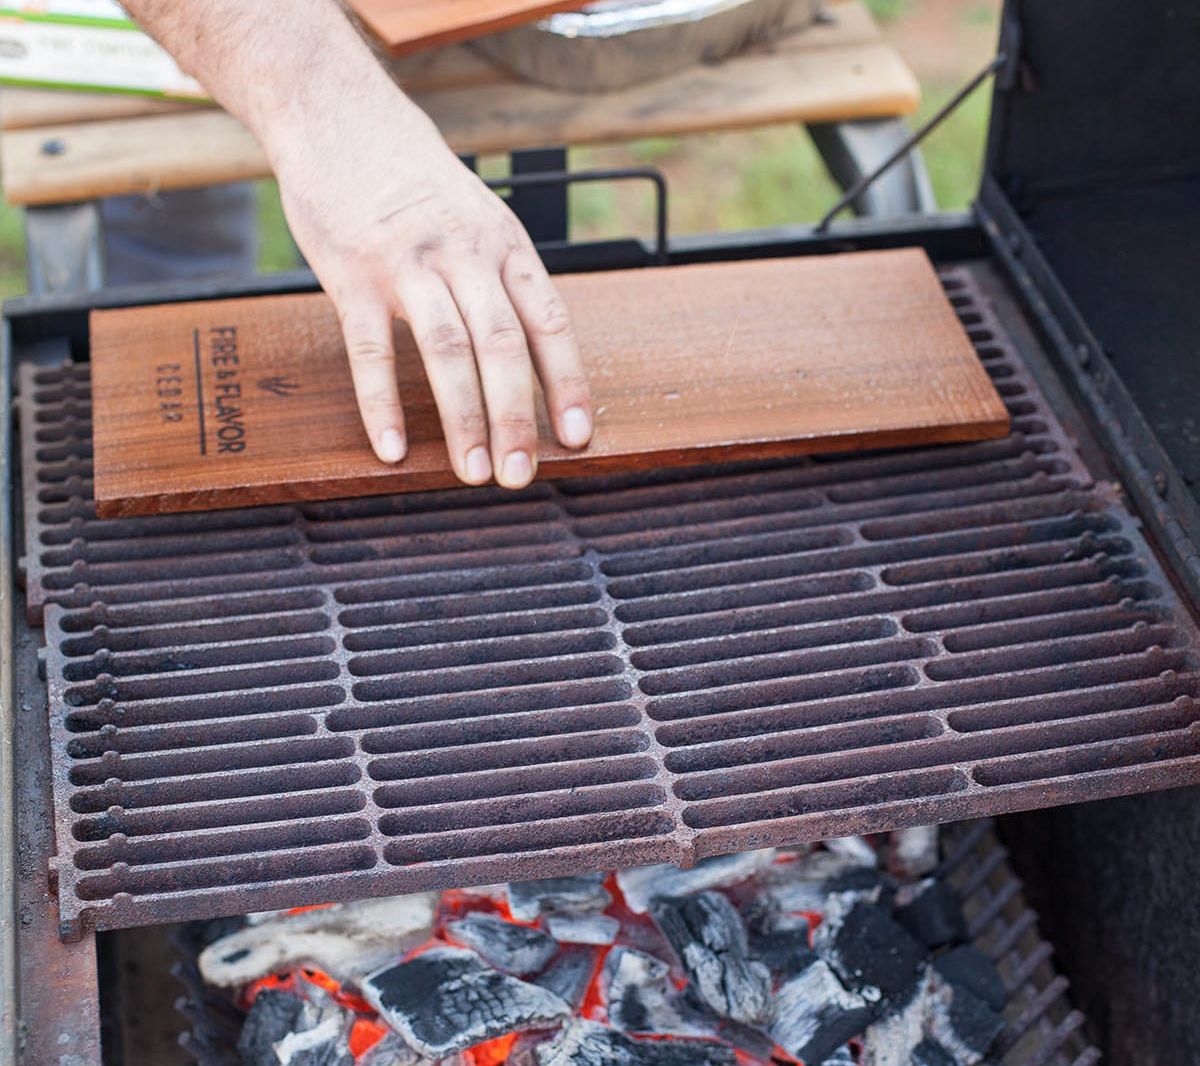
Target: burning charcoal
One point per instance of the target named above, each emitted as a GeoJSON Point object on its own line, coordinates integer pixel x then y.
{"type": "Point", "coordinates": [641, 999]}
{"type": "Point", "coordinates": [963, 1024]}
{"type": "Point", "coordinates": [853, 849]}
{"type": "Point", "coordinates": [284, 1028]}
{"type": "Point", "coordinates": [515, 949]}
{"type": "Point", "coordinates": [969, 968]}
{"type": "Point", "coordinates": [842, 1057]}
{"type": "Point", "coordinates": [642, 884]}
{"type": "Point", "coordinates": [814, 1015]}
{"type": "Point", "coordinates": [913, 853]}
{"type": "Point", "coordinates": [392, 1051]}
{"type": "Point", "coordinates": [569, 975]}
{"type": "Point", "coordinates": [585, 1043]}
{"type": "Point", "coordinates": [709, 939]}
{"type": "Point", "coordinates": [938, 1020]}
{"type": "Point", "coordinates": [807, 885]}
{"type": "Point", "coordinates": [346, 940]}
{"type": "Point", "coordinates": [931, 912]}
{"type": "Point", "coordinates": [871, 953]}
{"type": "Point", "coordinates": [529, 900]}
{"type": "Point", "coordinates": [931, 1053]}
{"type": "Point", "coordinates": [784, 952]}
{"type": "Point", "coordinates": [446, 1000]}
{"type": "Point", "coordinates": [583, 928]}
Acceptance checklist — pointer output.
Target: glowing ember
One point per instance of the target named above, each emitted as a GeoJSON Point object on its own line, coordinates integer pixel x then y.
{"type": "Point", "coordinates": [834, 959]}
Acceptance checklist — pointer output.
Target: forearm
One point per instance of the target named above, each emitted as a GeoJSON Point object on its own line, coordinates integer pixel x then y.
{"type": "Point", "coordinates": [279, 67]}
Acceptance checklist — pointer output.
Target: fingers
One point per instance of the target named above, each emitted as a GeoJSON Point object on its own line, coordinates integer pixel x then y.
{"type": "Point", "coordinates": [445, 346]}
{"type": "Point", "coordinates": [547, 328]}
{"type": "Point", "coordinates": [502, 356]}
{"type": "Point", "coordinates": [367, 329]}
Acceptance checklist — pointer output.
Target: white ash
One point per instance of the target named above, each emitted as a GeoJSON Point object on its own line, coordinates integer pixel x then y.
{"type": "Point", "coordinates": [345, 940]}
{"type": "Point", "coordinates": [814, 1014]}
{"type": "Point", "coordinates": [640, 885]}
{"type": "Point", "coordinates": [641, 999]}
{"type": "Point", "coordinates": [597, 929]}
{"type": "Point", "coordinates": [913, 853]}
{"type": "Point", "coordinates": [853, 849]}
{"type": "Point", "coordinates": [446, 1000]}
{"type": "Point", "coordinates": [529, 900]}
{"type": "Point", "coordinates": [392, 1051]}
{"type": "Point", "coordinates": [961, 1027]}
{"type": "Point", "coordinates": [585, 1043]}
{"type": "Point", "coordinates": [709, 939]}
{"type": "Point", "coordinates": [286, 1029]}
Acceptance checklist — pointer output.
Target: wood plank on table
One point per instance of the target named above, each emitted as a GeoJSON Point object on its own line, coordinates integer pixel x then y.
{"type": "Point", "coordinates": [27, 108]}
{"type": "Point", "coordinates": [240, 402]}
{"type": "Point", "coordinates": [840, 71]}
{"type": "Point", "coordinates": [407, 25]}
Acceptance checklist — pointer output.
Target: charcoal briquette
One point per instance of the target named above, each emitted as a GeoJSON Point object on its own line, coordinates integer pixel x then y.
{"type": "Point", "coordinates": [785, 952]}
{"type": "Point", "coordinates": [871, 953]}
{"type": "Point", "coordinates": [640, 998]}
{"type": "Point", "coordinates": [569, 975]}
{"type": "Point", "coordinates": [814, 1015]}
{"type": "Point", "coordinates": [709, 939]}
{"type": "Point", "coordinates": [931, 1053]}
{"type": "Point", "coordinates": [529, 900]}
{"type": "Point", "coordinates": [447, 999]}
{"type": "Point", "coordinates": [516, 949]}
{"type": "Point", "coordinates": [595, 929]}
{"type": "Point", "coordinates": [284, 1028]}
{"type": "Point", "coordinates": [969, 968]}
{"type": "Point", "coordinates": [931, 911]}
{"type": "Point", "coordinates": [963, 1023]}
{"type": "Point", "coordinates": [642, 884]}
{"type": "Point", "coordinates": [587, 1043]}
{"type": "Point", "coordinates": [272, 1016]}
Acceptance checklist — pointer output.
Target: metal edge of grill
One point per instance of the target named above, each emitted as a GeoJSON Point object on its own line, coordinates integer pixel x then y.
{"type": "Point", "coordinates": [290, 705]}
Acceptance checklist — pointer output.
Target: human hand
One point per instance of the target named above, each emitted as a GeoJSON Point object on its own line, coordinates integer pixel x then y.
{"type": "Point", "coordinates": [394, 225]}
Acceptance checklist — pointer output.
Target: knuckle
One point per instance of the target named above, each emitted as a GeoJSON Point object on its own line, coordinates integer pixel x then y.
{"type": "Point", "coordinates": [506, 338]}
{"type": "Point", "coordinates": [448, 342]}
{"type": "Point", "coordinates": [555, 321]}
{"type": "Point", "coordinates": [363, 351]}
{"type": "Point", "coordinates": [470, 425]}
{"type": "Point", "coordinates": [572, 383]}
{"type": "Point", "coordinates": [514, 424]}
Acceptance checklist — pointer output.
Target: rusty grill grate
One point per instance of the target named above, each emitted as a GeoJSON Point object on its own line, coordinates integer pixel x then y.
{"type": "Point", "coordinates": [286, 705]}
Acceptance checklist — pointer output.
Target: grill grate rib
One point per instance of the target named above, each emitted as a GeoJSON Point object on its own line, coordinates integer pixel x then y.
{"type": "Point", "coordinates": [289, 705]}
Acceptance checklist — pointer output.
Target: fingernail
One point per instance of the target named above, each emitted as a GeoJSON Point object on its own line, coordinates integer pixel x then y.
{"type": "Point", "coordinates": [479, 466]}
{"type": "Point", "coordinates": [391, 446]}
{"type": "Point", "coordinates": [576, 427]}
{"type": "Point", "coordinates": [517, 471]}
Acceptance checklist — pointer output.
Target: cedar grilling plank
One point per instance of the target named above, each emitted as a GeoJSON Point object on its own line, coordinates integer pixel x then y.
{"type": "Point", "coordinates": [240, 402]}
{"type": "Point", "coordinates": [409, 25]}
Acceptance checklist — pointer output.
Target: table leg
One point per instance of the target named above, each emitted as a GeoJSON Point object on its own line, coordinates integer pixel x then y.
{"type": "Point", "coordinates": [64, 249]}
{"type": "Point", "coordinates": [852, 149]}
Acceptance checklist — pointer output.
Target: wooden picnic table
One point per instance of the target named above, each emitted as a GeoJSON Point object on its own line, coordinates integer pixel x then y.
{"type": "Point", "coordinates": [64, 148]}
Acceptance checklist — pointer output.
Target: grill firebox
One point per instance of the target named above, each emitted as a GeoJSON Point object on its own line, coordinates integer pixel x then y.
{"type": "Point", "coordinates": [288, 705]}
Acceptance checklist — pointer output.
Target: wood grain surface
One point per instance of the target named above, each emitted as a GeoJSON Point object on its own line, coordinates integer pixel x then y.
{"type": "Point", "coordinates": [238, 402]}
{"type": "Point", "coordinates": [838, 70]}
{"type": "Point", "coordinates": [409, 25]}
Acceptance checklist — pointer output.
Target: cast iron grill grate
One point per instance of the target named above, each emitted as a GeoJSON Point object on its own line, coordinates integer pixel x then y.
{"type": "Point", "coordinates": [287, 705]}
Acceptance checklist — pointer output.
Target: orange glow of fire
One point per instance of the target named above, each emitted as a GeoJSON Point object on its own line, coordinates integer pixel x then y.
{"type": "Point", "coordinates": [364, 1035]}
{"type": "Point", "coordinates": [493, 1052]}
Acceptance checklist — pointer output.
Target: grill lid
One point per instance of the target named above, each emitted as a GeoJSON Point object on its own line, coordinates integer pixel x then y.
{"type": "Point", "coordinates": [282, 706]}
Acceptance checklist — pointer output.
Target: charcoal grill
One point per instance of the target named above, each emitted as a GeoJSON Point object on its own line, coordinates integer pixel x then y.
{"type": "Point", "coordinates": [291, 705]}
